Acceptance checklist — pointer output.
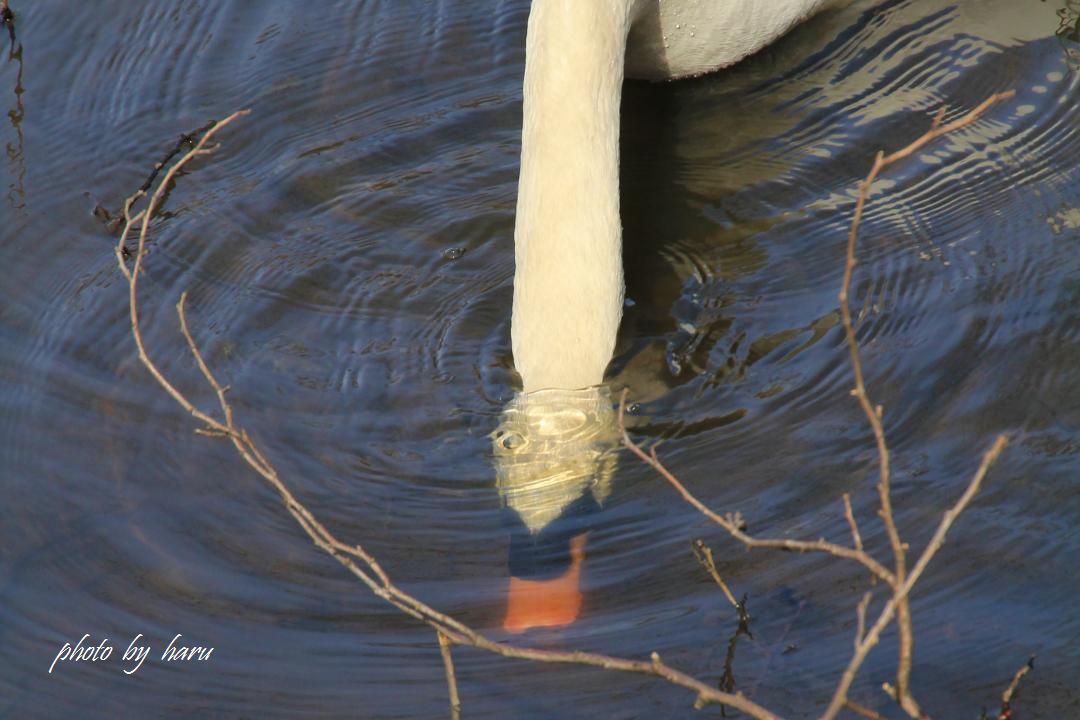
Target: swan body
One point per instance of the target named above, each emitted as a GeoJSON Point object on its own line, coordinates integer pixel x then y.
{"type": "Point", "coordinates": [554, 451]}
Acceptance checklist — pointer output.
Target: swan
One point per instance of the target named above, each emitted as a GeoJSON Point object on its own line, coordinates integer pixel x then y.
{"type": "Point", "coordinates": [556, 440]}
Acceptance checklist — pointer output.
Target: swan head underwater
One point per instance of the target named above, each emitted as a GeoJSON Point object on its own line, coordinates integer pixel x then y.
{"type": "Point", "coordinates": [555, 458]}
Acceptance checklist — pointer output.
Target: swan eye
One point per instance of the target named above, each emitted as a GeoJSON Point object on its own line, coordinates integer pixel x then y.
{"type": "Point", "coordinates": [511, 440]}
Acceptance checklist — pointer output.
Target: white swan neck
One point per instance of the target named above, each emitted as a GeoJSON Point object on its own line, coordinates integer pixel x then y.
{"type": "Point", "coordinates": [568, 283]}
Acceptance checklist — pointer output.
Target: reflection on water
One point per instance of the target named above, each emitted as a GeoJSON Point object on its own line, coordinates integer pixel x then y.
{"type": "Point", "coordinates": [14, 149]}
{"type": "Point", "coordinates": [1069, 32]}
{"type": "Point", "coordinates": [348, 256]}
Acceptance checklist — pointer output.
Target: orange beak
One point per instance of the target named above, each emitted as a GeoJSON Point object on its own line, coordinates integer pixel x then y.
{"type": "Point", "coordinates": [547, 603]}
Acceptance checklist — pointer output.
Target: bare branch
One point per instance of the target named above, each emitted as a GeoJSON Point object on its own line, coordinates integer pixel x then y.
{"type": "Point", "coordinates": [938, 118]}
{"type": "Point", "coordinates": [886, 616]}
{"type": "Point", "coordinates": [860, 616]}
{"type": "Point", "coordinates": [874, 415]}
{"type": "Point", "coordinates": [863, 710]}
{"type": "Point", "coordinates": [451, 677]}
{"type": "Point", "coordinates": [226, 409]}
{"type": "Point", "coordinates": [132, 275]}
{"type": "Point", "coordinates": [952, 513]}
{"type": "Point", "coordinates": [730, 522]}
{"type": "Point", "coordinates": [353, 557]}
{"type": "Point", "coordinates": [850, 515]}
{"type": "Point", "coordinates": [704, 555]}
{"type": "Point", "coordinates": [1010, 692]}
{"type": "Point", "coordinates": [899, 580]}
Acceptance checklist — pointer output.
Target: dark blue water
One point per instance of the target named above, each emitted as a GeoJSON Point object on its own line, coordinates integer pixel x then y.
{"type": "Point", "coordinates": [348, 254]}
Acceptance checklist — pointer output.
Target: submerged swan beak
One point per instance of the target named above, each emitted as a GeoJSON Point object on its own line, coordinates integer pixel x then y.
{"type": "Point", "coordinates": [546, 603]}
{"type": "Point", "coordinates": [554, 462]}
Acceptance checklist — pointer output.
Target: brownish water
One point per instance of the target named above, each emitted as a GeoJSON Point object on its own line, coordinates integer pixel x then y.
{"type": "Point", "coordinates": [349, 259]}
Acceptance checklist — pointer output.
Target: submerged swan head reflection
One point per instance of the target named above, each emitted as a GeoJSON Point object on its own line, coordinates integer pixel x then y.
{"type": "Point", "coordinates": [554, 462]}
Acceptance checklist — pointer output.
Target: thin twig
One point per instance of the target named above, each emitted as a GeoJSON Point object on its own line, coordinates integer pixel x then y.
{"type": "Point", "coordinates": [132, 275]}
{"type": "Point", "coordinates": [860, 617]}
{"type": "Point", "coordinates": [874, 414]}
{"type": "Point", "coordinates": [938, 117]}
{"type": "Point", "coordinates": [938, 130]}
{"type": "Point", "coordinates": [704, 555]}
{"type": "Point", "coordinates": [732, 523]}
{"type": "Point", "coordinates": [938, 539]}
{"type": "Point", "coordinates": [850, 515]}
{"type": "Point", "coordinates": [451, 677]}
{"type": "Point", "coordinates": [886, 616]}
{"type": "Point", "coordinates": [226, 408]}
{"type": "Point", "coordinates": [1010, 692]}
{"type": "Point", "coordinates": [727, 680]}
{"type": "Point", "coordinates": [863, 710]}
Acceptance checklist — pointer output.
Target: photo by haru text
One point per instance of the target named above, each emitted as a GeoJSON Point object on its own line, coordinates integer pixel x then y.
{"type": "Point", "coordinates": [86, 651]}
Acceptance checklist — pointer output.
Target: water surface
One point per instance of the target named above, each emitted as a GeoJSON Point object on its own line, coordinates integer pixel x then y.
{"type": "Point", "coordinates": [348, 255]}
